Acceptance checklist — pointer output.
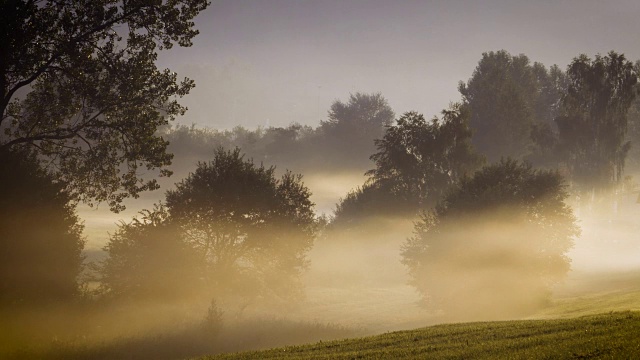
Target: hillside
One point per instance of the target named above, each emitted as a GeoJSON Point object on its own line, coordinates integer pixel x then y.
{"type": "Point", "coordinates": [613, 335]}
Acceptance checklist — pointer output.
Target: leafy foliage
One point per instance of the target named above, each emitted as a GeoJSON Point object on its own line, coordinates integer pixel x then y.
{"type": "Point", "coordinates": [86, 98]}
{"type": "Point", "coordinates": [593, 118]}
{"type": "Point", "coordinates": [253, 230]}
{"type": "Point", "coordinates": [507, 95]}
{"type": "Point", "coordinates": [148, 259]}
{"type": "Point", "coordinates": [354, 125]}
{"type": "Point", "coordinates": [418, 160]}
{"type": "Point", "coordinates": [497, 240]}
{"type": "Point", "coordinates": [40, 235]}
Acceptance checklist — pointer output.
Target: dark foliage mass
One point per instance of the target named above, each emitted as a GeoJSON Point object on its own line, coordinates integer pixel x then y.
{"type": "Point", "coordinates": [352, 127]}
{"type": "Point", "coordinates": [40, 235]}
{"type": "Point", "coordinates": [231, 227]}
{"type": "Point", "coordinates": [582, 120]}
{"type": "Point", "coordinates": [417, 160]}
{"type": "Point", "coordinates": [593, 118]}
{"type": "Point", "coordinates": [245, 222]}
{"type": "Point", "coordinates": [148, 259]}
{"type": "Point", "coordinates": [508, 97]}
{"type": "Point", "coordinates": [80, 87]}
{"type": "Point", "coordinates": [495, 243]}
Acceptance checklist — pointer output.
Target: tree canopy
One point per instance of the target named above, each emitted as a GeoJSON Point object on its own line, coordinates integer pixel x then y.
{"type": "Point", "coordinates": [353, 126]}
{"type": "Point", "coordinates": [495, 243]}
{"type": "Point", "coordinates": [417, 160]}
{"type": "Point", "coordinates": [507, 96]}
{"type": "Point", "coordinates": [80, 87]}
{"type": "Point", "coordinates": [40, 234]}
{"type": "Point", "coordinates": [149, 260]}
{"type": "Point", "coordinates": [593, 118]}
{"type": "Point", "coordinates": [230, 228]}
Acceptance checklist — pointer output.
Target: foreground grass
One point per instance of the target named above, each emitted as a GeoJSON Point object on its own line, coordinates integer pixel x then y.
{"type": "Point", "coordinates": [606, 336]}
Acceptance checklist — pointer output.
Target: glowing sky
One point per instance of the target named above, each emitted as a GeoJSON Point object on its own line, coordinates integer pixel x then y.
{"type": "Point", "coordinates": [273, 62]}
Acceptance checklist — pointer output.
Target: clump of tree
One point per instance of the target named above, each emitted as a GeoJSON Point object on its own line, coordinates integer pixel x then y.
{"type": "Point", "coordinates": [229, 228]}
{"type": "Point", "coordinates": [417, 160]}
{"type": "Point", "coordinates": [576, 120]}
{"type": "Point", "coordinates": [494, 244]}
{"type": "Point", "coordinates": [40, 234]}
{"type": "Point", "coordinates": [593, 118]}
{"type": "Point", "coordinates": [80, 87]}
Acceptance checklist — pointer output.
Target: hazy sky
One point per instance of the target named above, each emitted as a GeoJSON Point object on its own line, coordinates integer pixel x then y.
{"type": "Point", "coordinates": [273, 62]}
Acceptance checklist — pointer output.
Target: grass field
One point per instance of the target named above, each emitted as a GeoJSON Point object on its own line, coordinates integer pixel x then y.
{"type": "Point", "coordinates": [606, 336]}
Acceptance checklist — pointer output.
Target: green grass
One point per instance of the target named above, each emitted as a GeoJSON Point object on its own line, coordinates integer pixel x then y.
{"type": "Point", "coordinates": [606, 336]}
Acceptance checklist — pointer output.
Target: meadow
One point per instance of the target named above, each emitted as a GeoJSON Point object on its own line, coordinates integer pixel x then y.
{"type": "Point", "coordinates": [605, 336]}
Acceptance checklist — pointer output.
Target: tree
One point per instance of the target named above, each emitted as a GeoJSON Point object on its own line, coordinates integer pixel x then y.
{"type": "Point", "coordinates": [593, 118]}
{"type": "Point", "coordinates": [148, 259]}
{"type": "Point", "coordinates": [40, 235]}
{"type": "Point", "coordinates": [507, 95]}
{"type": "Point", "coordinates": [352, 127]}
{"type": "Point", "coordinates": [418, 160]}
{"type": "Point", "coordinates": [632, 163]}
{"type": "Point", "coordinates": [494, 244]}
{"type": "Point", "coordinates": [368, 201]}
{"type": "Point", "coordinates": [85, 98]}
{"type": "Point", "coordinates": [253, 230]}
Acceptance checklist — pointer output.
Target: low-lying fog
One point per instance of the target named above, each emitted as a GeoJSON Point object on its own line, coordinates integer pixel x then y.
{"type": "Point", "coordinates": [357, 280]}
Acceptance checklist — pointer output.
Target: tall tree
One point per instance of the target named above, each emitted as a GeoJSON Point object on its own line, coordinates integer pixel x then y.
{"type": "Point", "coordinates": [80, 87]}
{"type": "Point", "coordinates": [40, 235]}
{"type": "Point", "coordinates": [593, 118]}
{"type": "Point", "coordinates": [507, 96]}
{"type": "Point", "coordinates": [494, 244]}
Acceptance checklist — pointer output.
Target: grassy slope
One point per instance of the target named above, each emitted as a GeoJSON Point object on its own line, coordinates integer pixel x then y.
{"type": "Point", "coordinates": [611, 336]}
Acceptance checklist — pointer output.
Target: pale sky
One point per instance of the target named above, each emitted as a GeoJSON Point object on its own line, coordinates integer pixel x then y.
{"type": "Point", "coordinates": [273, 62]}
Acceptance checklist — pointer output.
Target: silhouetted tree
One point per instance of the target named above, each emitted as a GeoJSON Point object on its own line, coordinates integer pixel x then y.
{"type": "Point", "coordinates": [507, 95]}
{"type": "Point", "coordinates": [348, 134]}
{"type": "Point", "coordinates": [417, 160]}
{"type": "Point", "coordinates": [86, 98]}
{"type": "Point", "coordinates": [593, 118]}
{"type": "Point", "coordinates": [633, 132]}
{"type": "Point", "coordinates": [253, 230]}
{"type": "Point", "coordinates": [149, 259]}
{"type": "Point", "coordinates": [495, 243]}
{"type": "Point", "coordinates": [40, 235]}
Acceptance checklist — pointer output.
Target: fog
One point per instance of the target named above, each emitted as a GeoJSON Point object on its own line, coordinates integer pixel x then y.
{"type": "Point", "coordinates": [355, 283]}
{"type": "Point", "coordinates": [311, 88]}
